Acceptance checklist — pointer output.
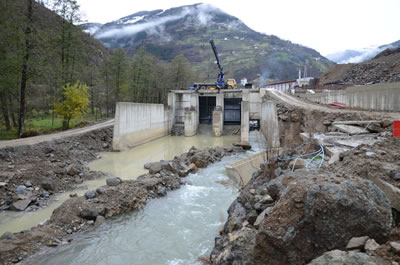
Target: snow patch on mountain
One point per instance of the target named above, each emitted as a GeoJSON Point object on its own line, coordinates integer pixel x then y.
{"type": "Point", "coordinates": [154, 24]}
{"type": "Point", "coordinates": [133, 20]}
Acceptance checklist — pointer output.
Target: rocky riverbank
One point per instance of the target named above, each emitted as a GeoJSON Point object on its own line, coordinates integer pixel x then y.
{"type": "Point", "coordinates": [79, 214]}
{"type": "Point", "coordinates": [285, 217]}
{"type": "Point", "coordinates": [31, 174]}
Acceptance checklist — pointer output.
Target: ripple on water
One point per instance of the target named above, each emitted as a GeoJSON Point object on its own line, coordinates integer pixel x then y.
{"type": "Point", "coordinates": [176, 229]}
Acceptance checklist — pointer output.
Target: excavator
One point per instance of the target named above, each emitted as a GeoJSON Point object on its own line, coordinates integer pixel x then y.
{"type": "Point", "coordinates": [221, 84]}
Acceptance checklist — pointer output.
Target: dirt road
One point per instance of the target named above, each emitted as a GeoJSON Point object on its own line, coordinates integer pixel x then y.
{"type": "Point", "coordinates": [294, 101]}
{"type": "Point", "coordinates": [54, 136]}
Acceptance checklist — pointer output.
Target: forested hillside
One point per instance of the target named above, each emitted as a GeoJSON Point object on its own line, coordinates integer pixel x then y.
{"type": "Point", "coordinates": [188, 29]}
{"type": "Point", "coordinates": [44, 56]}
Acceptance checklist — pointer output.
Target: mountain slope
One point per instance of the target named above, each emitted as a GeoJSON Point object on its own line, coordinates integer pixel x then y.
{"type": "Point", "coordinates": [188, 29]}
{"type": "Point", "coordinates": [361, 55]}
{"type": "Point", "coordinates": [384, 67]}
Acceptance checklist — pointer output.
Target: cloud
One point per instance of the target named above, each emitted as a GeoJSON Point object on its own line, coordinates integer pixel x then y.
{"type": "Point", "coordinates": [365, 55]}
{"type": "Point", "coordinates": [136, 28]}
{"type": "Point", "coordinates": [202, 13]}
{"type": "Point", "coordinates": [356, 56]}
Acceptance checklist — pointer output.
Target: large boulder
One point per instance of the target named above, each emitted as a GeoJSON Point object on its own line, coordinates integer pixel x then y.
{"type": "Point", "coordinates": [156, 167]}
{"type": "Point", "coordinates": [113, 181]}
{"type": "Point", "coordinates": [336, 257]}
{"type": "Point", "coordinates": [48, 184]}
{"type": "Point", "coordinates": [20, 205]}
{"type": "Point", "coordinates": [201, 159]}
{"type": "Point", "coordinates": [235, 249]}
{"type": "Point", "coordinates": [318, 213]}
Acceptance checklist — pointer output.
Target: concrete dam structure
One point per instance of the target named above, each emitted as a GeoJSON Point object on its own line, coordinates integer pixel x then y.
{"type": "Point", "coordinates": [137, 123]}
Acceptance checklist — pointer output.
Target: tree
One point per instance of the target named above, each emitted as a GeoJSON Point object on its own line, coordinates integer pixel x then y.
{"type": "Point", "coordinates": [181, 73]}
{"type": "Point", "coordinates": [119, 67]}
{"type": "Point", "coordinates": [106, 77]}
{"type": "Point", "coordinates": [76, 100]}
{"type": "Point", "coordinates": [69, 43]}
{"type": "Point", "coordinates": [141, 75]}
{"type": "Point", "coordinates": [24, 67]}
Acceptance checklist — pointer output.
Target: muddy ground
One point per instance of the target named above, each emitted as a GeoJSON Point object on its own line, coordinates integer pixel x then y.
{"type": "Point", "coordinates": [31, 174]}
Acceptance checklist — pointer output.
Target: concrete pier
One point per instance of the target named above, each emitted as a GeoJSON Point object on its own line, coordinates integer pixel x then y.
{"type": "Point", "coordinates": [218, 115]}
{"type": "Point", "coordinates": [191, 122]}
{"type": "Point", "coordinates": [218, 122]}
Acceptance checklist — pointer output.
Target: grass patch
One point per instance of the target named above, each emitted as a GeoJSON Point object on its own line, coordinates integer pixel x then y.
{"type": "Point", "coordinates": [43, 124]}
{"type": "Point", "coordinates": [7, 135]}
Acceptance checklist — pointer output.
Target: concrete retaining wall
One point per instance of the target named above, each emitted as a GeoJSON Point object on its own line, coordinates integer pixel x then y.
{"type": "Point", "coordinates": [138, 123]}
{"type": "Point", "coordinates": [382, 97]}
{"type": "Point", "coordinates": [242, 170]}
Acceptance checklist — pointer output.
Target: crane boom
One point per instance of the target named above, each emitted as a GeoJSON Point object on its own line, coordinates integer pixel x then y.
{"type": "Point", "coordinates": [216, 54]}
{"type": "Point", "coordinates": [221, 75]}
{"type": "Point", "coordinates": [220, 84]}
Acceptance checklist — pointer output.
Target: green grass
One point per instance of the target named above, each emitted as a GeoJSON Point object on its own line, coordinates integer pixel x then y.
{"type": "Point", "coordinates": [42, 123]}
{"type": "Point", "coordinates": [7, 135]}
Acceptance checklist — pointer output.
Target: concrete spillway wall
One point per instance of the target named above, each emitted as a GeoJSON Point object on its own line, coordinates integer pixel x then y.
{"type": "Point", "coordinates": [137, 123]}
{"type": "Point", "coordinates": [381, 97]}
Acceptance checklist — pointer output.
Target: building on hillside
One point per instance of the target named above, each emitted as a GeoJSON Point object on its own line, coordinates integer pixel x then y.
{"type": "Point", "coordinates": [283, 85]}
{"type": "Point", "coordinates": [291, 84]}
{"type": "Point", "coordinates": [305, 81]}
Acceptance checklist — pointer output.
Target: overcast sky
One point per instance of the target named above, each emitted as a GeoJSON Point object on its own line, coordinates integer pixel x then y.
{"type": "Point", "coordinates": [325, 25]}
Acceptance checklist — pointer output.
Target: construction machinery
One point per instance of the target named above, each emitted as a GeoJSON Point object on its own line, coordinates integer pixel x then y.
{"type": "Point", "coordinates": [220, 84]}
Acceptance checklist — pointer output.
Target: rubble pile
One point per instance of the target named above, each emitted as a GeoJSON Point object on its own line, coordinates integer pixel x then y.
{"type": "Point", "coordinates": [385, 67]}
{"type": "Point", "coordinates": [31, 174]}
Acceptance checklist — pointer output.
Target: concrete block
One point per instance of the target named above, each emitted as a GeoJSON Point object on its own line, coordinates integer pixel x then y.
{"type": "Point", "coordinates": [349, 129]}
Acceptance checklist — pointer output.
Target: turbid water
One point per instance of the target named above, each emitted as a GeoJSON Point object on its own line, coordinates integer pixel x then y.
{"type": "Point", "coordinates": [173, 230]}
{"type": "Point", "coordinates": [126, 165]}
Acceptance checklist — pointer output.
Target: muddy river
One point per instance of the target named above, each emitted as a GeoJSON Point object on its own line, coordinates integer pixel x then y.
{"type": "Point", "coordinates": [126, 165]}
{"type": "Point", "coordinates": [173, 230]}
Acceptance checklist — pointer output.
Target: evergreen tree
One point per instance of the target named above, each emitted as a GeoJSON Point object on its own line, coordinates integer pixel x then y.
{"type": "Point", "coordinates": [181, 73]}
{"type": "Point", "coordinates": [119, 68]}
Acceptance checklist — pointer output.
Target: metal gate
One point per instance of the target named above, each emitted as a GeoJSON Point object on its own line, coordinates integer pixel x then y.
{"type": "Point", "coordinates": [207, 105]}
{"type": "Point", "coordinates": [232, 110]}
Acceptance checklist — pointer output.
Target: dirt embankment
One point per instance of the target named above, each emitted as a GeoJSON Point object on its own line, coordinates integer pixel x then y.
{"type": "Point", "coordinates": [294, 217]}
{"type": "Point", "coordinates": [79, 214]}
{"type": "Point", "coordinates": [31, 174]}
{"type": "Point", "coordinates": [286, 217]}
{"type": "Point", "coordinates": [385, 67]}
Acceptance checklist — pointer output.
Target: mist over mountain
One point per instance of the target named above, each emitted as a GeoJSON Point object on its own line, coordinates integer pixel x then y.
{"type": "Point", "coordinates": [188, 29]}
{"type": "Point", "coordinates": [360, 55]}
